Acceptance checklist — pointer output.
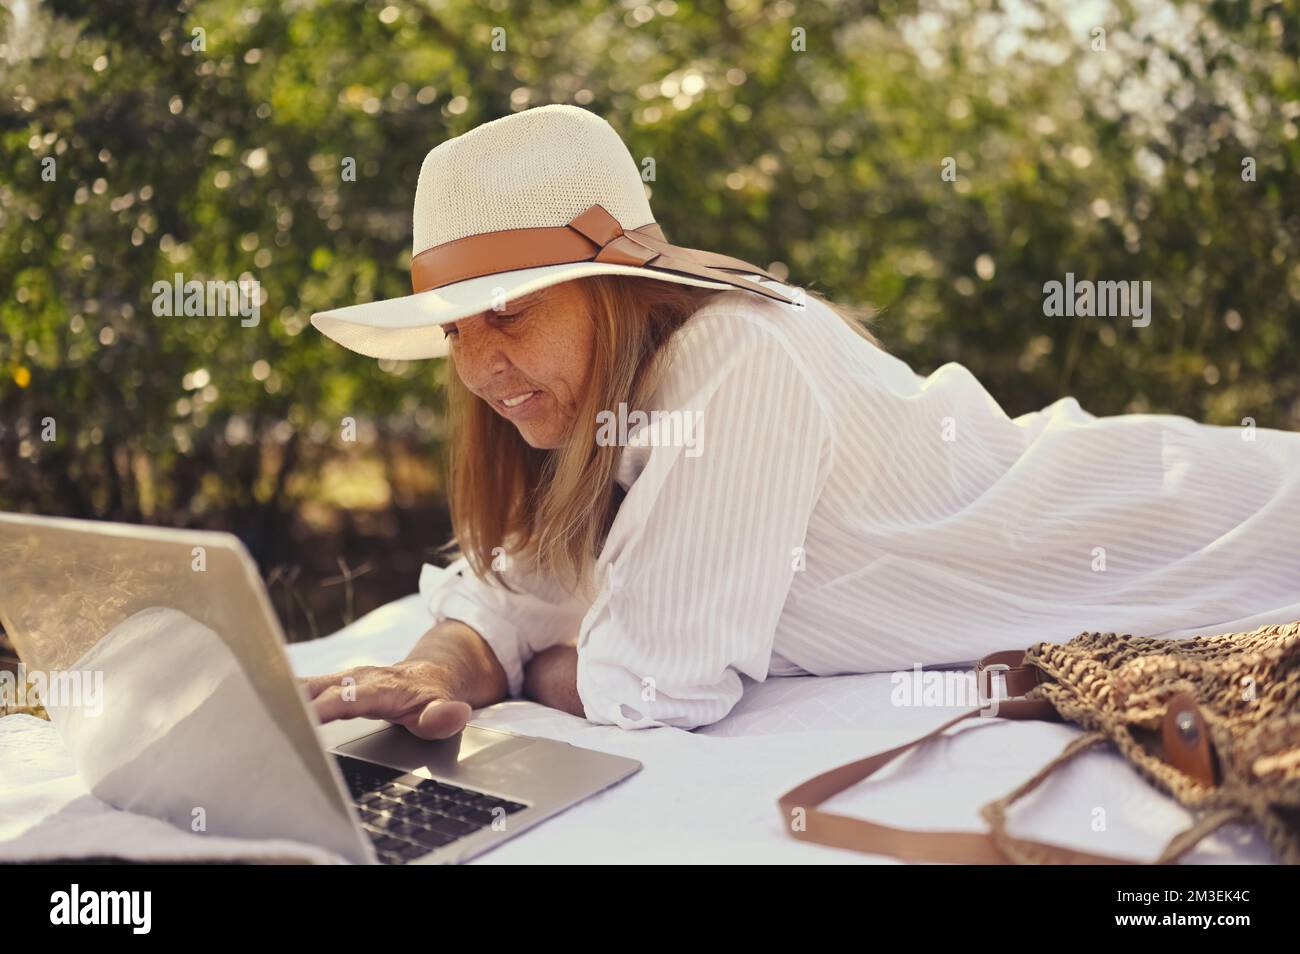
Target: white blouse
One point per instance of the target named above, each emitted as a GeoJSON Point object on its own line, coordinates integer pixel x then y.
{"type": "Point", "coordinates": [835, 512]}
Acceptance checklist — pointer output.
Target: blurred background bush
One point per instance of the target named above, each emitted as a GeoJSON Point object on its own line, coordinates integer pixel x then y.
{"type": "Point", "coordinates": [1119, 141]}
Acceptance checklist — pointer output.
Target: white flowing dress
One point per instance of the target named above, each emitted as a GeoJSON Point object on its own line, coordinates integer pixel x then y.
{"type": "Point", "coordinates": [832, 512]}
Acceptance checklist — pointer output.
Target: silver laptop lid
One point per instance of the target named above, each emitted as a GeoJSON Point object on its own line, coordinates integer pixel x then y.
{"type": "Point", "coordinates": [160, 660]}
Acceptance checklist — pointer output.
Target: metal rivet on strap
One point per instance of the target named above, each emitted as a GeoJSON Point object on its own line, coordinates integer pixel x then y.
{"type": "Point", "coordinates": [1185, 721]}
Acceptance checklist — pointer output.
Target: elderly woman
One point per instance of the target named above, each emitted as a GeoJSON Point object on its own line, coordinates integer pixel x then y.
{"type": "Point", "coordinates": [671, 471]}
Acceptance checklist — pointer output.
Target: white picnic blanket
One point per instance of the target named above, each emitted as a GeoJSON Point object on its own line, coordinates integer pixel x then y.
{"type": "Point", "coordinates": [703, 796]}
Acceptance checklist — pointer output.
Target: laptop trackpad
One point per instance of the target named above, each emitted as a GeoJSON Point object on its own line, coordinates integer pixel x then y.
{"type": "Point", "coordinates": [398, 748]}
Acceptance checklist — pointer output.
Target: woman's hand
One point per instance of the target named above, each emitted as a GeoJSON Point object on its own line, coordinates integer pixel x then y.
{"type": "Point", "coordinates": [551, 678]}
{"type": "Point", "coordinates": [451, 672]}
{"type": "Point", "coordinates": [423, 696]}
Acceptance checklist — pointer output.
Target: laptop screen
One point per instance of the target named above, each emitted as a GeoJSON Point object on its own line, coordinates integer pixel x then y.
{"type": "Point", "coordinates": [158, 656]}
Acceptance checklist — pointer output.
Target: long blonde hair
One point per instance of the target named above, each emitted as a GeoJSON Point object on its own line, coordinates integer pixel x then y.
{"type": "Point", "coordinates": [552, 508]}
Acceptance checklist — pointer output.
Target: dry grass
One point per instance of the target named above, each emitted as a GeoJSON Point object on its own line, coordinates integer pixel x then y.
{"type": "Point", "coordinates": [38, 711]}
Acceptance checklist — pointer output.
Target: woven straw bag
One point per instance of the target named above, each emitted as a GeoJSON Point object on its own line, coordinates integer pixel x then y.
{"type": "Point", "coordinates": [1213, 721]}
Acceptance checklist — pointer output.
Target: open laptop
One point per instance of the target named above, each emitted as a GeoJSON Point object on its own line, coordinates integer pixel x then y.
{"type": "Point", "coordinates": [164, 669]}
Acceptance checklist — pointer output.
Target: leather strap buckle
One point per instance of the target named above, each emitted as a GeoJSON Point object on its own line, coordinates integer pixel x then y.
{"type": "Point", "coordinates": [983, 682]}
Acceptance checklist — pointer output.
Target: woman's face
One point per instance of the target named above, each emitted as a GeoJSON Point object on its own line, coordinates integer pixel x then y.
{"type": "Point", "coordinates": [535, 353]}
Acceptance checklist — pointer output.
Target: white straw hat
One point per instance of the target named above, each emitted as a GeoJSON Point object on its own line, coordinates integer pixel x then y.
{"type": "Point", "coordinates": [539, 197]}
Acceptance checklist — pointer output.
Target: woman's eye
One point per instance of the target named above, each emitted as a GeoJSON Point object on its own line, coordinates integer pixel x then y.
{"type": "Point", "coordinates": [503, 317]}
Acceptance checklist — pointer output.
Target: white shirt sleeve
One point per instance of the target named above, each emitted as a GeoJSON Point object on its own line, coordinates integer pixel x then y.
{"type": "Point", "coordinates": [516, 625]}
{"type": "Point", "coordinates": [700, 558]}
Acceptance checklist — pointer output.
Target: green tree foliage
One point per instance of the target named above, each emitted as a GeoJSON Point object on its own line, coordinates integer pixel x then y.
{"type": "Point", "coordinates": [813, 136]}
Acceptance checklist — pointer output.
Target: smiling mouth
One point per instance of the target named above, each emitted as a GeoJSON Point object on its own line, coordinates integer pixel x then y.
{"type": "Point", "coordinates": [518, 399]}
{"type": "Point", "coordinates": [520, 405]}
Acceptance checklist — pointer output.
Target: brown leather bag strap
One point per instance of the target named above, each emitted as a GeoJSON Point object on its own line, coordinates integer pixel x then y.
{"type": "Point", "coordinates": [799, 806]}
{"type": "Point", "coordinates": [1026, 851]}
{"type": "Point", "coordinates": [807, 822]}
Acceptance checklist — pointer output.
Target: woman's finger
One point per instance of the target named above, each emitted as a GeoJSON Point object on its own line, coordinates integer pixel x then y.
{"type": "Point", "coordinates": [440, 719]}
{"type": "Point", "coordinates": [315, 685]}
{"type": "Point", "coordinates": [361, 701]}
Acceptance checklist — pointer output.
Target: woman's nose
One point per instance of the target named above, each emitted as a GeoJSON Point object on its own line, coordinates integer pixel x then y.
{"type": "Point", "coordinates": [478, 353]}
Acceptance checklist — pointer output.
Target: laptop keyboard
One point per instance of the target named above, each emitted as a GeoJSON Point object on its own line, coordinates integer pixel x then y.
{"type": "Point", "coordinates": [405, 821]}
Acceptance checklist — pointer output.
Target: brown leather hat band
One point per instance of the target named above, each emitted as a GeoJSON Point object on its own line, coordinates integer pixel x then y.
{"type": "Point", "coordinates": [592, 236]}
